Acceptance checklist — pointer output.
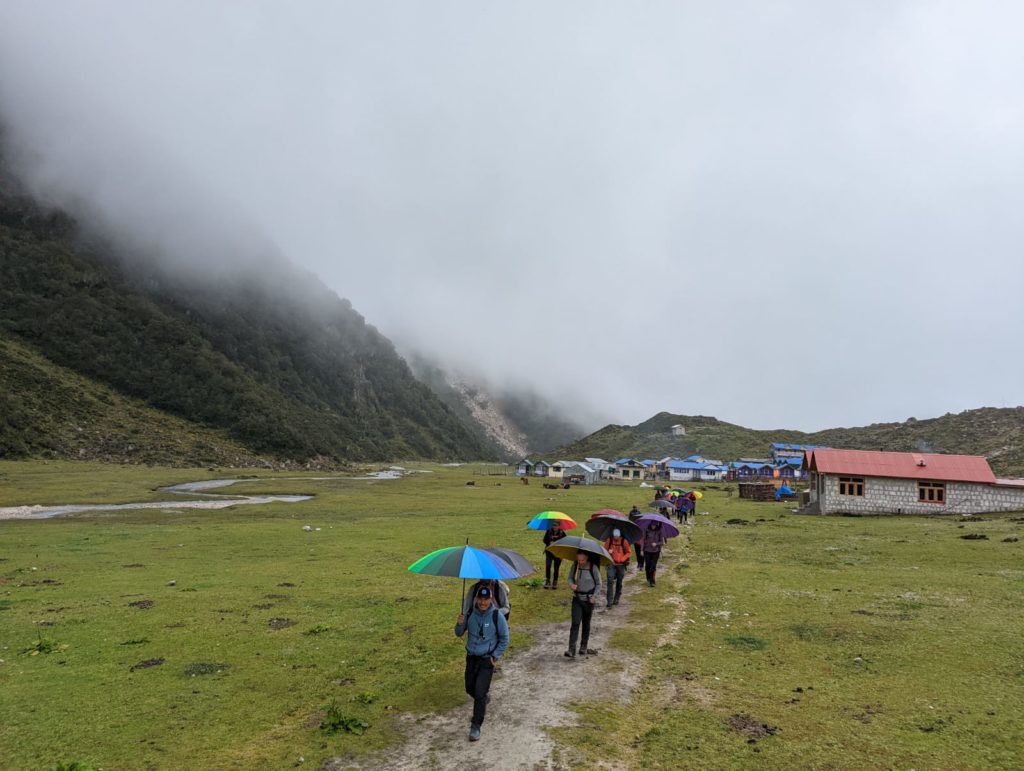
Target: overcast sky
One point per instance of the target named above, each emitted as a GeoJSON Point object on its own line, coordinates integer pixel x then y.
{"type": "Point", "coordinates": [785, 214]}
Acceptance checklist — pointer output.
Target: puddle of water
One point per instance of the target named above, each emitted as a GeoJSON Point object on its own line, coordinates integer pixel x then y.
{"type": "Point", "coordinates": [210, 501]}
{"type": "Point", "coordinates": [46, 512]}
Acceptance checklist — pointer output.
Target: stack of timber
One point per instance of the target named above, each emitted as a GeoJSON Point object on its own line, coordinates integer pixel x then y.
{"type": "Point", "coordinates": [757, 491]}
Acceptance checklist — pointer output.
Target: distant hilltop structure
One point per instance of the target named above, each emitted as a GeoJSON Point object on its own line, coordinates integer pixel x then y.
{"type": "Point", "coordinates": [678, 430]}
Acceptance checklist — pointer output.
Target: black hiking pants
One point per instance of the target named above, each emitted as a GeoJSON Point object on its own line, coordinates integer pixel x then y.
{"type": "Point", "coordinates": [640, 557]}
{"type": "Point", "coordinates": [582, 610]}
{"type": "Point", "coordinates": [479, 671]}
{"type": "Point", "coordinates": [548, 560]}
{"type": "Point", "coordinates": [651, 565]}
{"type": "Point", "coordinates": [615, 575]}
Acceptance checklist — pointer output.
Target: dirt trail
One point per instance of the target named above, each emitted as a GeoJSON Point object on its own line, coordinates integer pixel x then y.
{"type": "Point", "coordinates": [528, 696]}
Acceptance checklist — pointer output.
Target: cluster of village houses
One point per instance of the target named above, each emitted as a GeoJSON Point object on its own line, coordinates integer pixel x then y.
{"type": "Point", "coordinates": [785, 463]}
{"type": "Point", "coordinates": [839, 481]}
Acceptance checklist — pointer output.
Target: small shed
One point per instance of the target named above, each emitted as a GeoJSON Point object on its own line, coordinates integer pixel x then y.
{"type": "Point", "coordinates": [582, 473]}
{"type": "Point", "coordinates": [524, 467]}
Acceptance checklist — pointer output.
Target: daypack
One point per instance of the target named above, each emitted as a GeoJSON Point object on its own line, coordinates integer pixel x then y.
{"type": "Point", "coordinates": [621, 552]}
{"type": "Point", "coordinates": [573, 571]}
{"type": "Point", "coordinates": [499, 596]}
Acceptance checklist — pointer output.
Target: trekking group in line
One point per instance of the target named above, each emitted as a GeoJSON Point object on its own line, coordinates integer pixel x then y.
{"type": "Point", "coordinates": [486, 608]}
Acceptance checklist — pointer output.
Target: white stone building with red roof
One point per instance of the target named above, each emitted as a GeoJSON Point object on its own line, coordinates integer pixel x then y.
{"type": "Point", "coordinates": [865, 482]}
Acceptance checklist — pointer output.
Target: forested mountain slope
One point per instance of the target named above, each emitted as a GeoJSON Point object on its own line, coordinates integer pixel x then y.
{"type": "Point", "coordinates": [274, 361]}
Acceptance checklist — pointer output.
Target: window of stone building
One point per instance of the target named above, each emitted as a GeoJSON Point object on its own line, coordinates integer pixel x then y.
{"type": "Point", "coordinates": [931, 492]}
{"type": "Point", "coordinates": [851, 486]}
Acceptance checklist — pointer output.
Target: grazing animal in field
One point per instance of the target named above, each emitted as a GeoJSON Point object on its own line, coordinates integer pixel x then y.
{"type": "Point", "coordinates": [524, 480]}
{"type": "Point", "coordinates": [471, 484]}
{"type": "Point", "coordinates": [550, 487]}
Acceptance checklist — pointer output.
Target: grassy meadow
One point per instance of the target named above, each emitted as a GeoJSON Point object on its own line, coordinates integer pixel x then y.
{"type": "Point", "coordinates": [787, 642]}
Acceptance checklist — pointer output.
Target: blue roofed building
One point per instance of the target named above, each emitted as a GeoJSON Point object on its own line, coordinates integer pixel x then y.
{"type": "Point", "coordinates": [782, 451]}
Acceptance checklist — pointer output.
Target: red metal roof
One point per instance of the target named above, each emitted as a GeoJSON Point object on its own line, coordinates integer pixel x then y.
{"type": "Point", "coordinates": [904, 465]}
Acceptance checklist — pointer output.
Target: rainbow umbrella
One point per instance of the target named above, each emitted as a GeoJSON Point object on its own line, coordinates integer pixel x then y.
{"type": "Point", "coordinates": [547, 520]}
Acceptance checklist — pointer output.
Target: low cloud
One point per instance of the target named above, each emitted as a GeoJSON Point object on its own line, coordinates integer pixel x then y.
{"type": "Point", "coordinates": [791, 216]}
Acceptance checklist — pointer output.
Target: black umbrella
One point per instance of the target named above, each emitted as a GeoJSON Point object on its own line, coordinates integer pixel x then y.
{"type": "Point", "coordinates": [662, 503]}
{"type": "Point", "coordinates": [519, 563]}
{"type": "Point", "coordinates": [601, 527]}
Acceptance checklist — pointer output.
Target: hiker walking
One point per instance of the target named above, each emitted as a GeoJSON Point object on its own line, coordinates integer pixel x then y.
{"type": "Point", "coordinates": [487, 640]}
{"type": "Point", "coordinates": [618, 547]}
{"type": "Point", "coordinates": [634, 515]}
{"type": "Point", "coordinates": [585, 581]}
{"type": "Point", "coordinates": [550, 536]}
{"type": "Point", "coordinates": [654, 539]}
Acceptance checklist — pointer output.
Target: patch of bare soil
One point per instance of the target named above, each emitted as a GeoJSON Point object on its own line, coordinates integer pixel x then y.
{"type": "Point", "coordinates": [147, 664]}
{"type": "Point", "coordinates": [281, 623]}
{"type": "Point", "coordinates": [528, 696]}
{"type": "Point", "coordinates": [751, 728]}
{"type": "Point", "coordinates": [141, 604]}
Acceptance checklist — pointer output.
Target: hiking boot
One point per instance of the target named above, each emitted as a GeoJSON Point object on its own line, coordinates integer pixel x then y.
{"type": "Point", "coordinates": [570, 654]}
{"type": "Point", "coordinates": [591, 651]}
{"type": "Point", "coordinates": [474, 732]}
{"type": "Point", "coordinates": [547, 584]}
{"type": "Point", "coordinates": [615, 601]}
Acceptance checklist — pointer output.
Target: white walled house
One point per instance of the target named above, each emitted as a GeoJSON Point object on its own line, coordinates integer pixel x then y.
{"type": "Point", "coordinates": [864, 482]}
{"type": "Point", "coordinates": [557, 468]}
{"type": "Point", "coordinates": [540, 468]}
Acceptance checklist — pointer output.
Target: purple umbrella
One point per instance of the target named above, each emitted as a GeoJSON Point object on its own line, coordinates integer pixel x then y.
{"type": "Point", "coordinates": [667, 526]}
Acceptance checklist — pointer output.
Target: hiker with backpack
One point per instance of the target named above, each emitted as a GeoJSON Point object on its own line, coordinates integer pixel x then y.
{"type": "Point", "coordinates": [654, 539]}
{"type": "Point", "coordinates": [585, 581]}
{"type": "Point", "coordinates": [499, 596]}
{"type": "Point", "coordinates": [486, 641]}
{"type": "Point", "coordinates": [618, 547]}
{"type": "Point", "coordinates": [550, 536]}
{"type": "Point", "coordinates": [634, 515]}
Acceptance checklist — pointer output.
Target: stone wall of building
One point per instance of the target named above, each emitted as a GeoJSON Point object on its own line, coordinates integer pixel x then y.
{"type": "Point", "coordinates": [899, 496]}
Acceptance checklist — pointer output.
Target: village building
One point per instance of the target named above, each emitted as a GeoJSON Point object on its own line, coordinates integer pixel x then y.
{"type": "Point", "coordinates": [750, 468]}
{"type": "Point", "coordinates": [695, 471]}
{"type": "Point", "coordinates": [580, 473]}
{"type": "Point", "coordinates": [865, 482]}
{"type": "Point", "coordinates": [557, 469]}
{"type": "Point", "coordinates": [678, 430]}
{"type": "Point", "coordinates": [541, 468]}
{"type": "Point", "coordinates": [524, 467]}
{"type": "Point", "coordinates": [629, 468]}
{"type": "Point", "coordinates": [782, 452]}
{"type": "Point", "coordinates": [601, 466]}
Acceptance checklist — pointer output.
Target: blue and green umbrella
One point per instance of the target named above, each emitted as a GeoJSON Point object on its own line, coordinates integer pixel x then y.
{"type": "Point", "coordinates": [464, 562]}
{"type": "Point", "coordinates": [469, 562]}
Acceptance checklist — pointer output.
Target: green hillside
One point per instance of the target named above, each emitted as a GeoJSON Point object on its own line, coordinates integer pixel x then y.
{"type": "Point", "coordinates": [273, 360]}
{"type": "Point", "coordinates": [997, 434]}
{"type": "Point", "coordinates": [50, 411]}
